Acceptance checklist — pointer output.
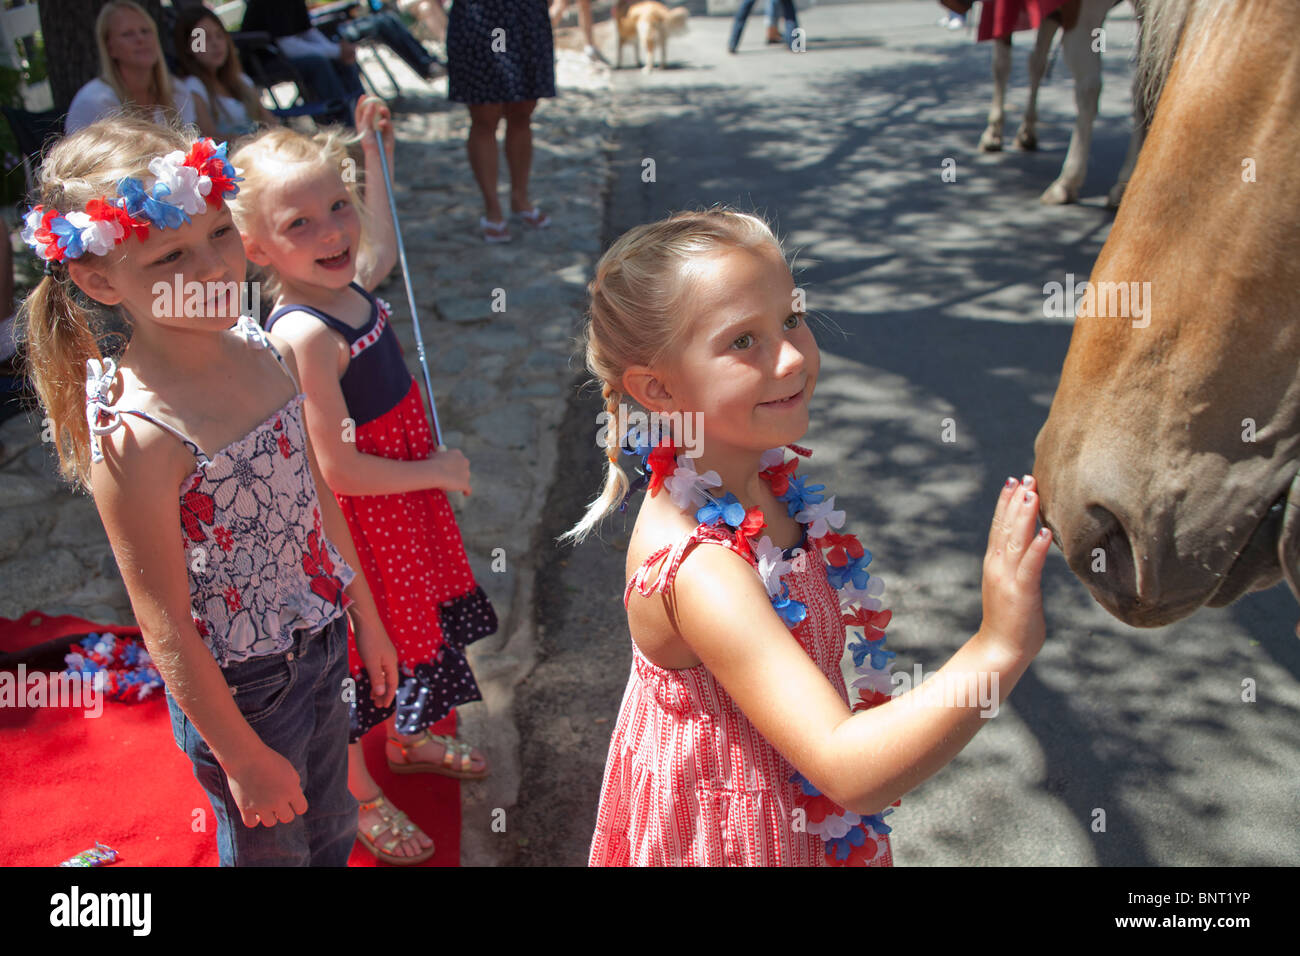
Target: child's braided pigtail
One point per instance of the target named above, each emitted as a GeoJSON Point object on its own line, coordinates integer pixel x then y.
{"type": "Point", "coordinates": [616, 480]}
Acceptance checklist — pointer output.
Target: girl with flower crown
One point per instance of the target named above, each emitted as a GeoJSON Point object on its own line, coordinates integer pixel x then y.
{"type": "Point", "coordinates": [302, 221]}
{"type": "Point", "coordinates": [736, 742]}
{"type": "Point", "coordinates": [192, 441]}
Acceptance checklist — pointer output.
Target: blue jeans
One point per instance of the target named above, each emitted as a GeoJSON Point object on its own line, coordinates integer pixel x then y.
{"type": "Point", "coordinates": [742, 14]}
{"type": "Point", "coordinates": [391, 31]}
{"type": "Point", "coordinates": [330, 80]}
{"type": "Point", "coordinates": [294, 702]}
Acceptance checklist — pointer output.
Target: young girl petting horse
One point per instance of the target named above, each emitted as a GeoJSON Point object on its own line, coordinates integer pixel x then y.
{"type": "Point", "coordinates": [735, 742]}
{"type": "Point", "coordinates": [192, 442]}
{"type": "Point", "coordinates": [299, 218]}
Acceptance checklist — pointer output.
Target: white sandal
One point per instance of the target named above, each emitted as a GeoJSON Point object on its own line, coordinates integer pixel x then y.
{"type": "Point", "coordinates": [494, 231]}
{"type": "Point", "coordinates": [534, 217]}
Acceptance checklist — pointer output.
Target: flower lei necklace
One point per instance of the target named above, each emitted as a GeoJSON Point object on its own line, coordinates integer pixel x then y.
{"type": "Point", "coordinates": [185, 184]}
{"type": "Point", "coordinates": [850, 839]}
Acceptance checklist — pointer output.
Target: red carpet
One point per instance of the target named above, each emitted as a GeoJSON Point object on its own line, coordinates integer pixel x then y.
{"type": "Point", "coordinates": [119, 779]}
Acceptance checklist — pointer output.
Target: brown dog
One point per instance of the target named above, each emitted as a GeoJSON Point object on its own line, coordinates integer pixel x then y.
{"type": "Point", "coordinates": [647, 26]}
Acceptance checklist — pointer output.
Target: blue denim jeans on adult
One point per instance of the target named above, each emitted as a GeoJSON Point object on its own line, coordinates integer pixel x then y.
{"type": "Point", "coordinates": [742, 14]}
{"type": "Point", "coordinates": [294, 702]}
{"type": "Point", "coordinates": [330, 80]}
{"type": "Point", "coordinates": [391, 31]}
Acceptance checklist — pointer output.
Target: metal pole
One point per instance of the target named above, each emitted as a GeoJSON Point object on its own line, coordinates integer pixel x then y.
{"type": "Point", "coordinates": [410, 293]}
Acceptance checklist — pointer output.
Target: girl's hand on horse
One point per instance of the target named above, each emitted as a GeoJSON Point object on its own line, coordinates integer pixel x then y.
{"type": "Point", "coordinates": [1013, 567]}
{"type": "Point", "coordinates": [372, 114]}
{"type": "Point", "coordinates": [267, 790]}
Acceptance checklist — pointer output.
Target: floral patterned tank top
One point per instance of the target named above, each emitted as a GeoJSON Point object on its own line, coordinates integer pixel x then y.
{"type": "Point", "coordinates": [258, 562]}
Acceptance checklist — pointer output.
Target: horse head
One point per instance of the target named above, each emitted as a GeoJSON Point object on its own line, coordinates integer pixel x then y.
{"type": "Point", "coordinates": [1168, 464]}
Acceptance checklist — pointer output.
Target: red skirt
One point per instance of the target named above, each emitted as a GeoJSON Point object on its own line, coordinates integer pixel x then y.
{"type": "Point", "coordinates": [1000, 18]}
{"type": "Point", "coordinates": [414, 561]}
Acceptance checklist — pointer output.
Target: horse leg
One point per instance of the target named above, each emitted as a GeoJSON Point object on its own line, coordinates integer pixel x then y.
{"type": "Point", "coordinates": [1085, 67]}
{"type": "Point", "coordinates": [1140, 121]}
{"type": "Point", "coordinates": [991, 141]}
{"type": "Point", "coordinates": [1131, 157]}
{"type": "Point", "coordinates": [1027, 137]}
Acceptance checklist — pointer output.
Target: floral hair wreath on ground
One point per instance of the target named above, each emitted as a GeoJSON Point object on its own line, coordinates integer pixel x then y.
{"type": "Point", "coordinates": [849, 839]}
{"type": "Point", "coordinates": [185, 185]}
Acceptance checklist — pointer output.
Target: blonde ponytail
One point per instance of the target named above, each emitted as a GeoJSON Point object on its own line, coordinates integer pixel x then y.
{"type": "Point", "coordinates": [59, 341]}
{"type": "Point", "coordinates": [616, 480]}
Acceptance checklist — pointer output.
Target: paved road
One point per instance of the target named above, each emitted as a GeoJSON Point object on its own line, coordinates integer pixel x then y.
{"type": "Point", "coordinates": [932, 300]}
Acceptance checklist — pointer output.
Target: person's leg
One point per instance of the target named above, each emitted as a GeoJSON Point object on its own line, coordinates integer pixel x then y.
{"type": "Point", "coordinates": [434, 18]}
{"type": "Point", "coordinates": [274, 701]}
{"type": "Point", "coordinates": [738, 24]}
{"type": "Point", "coordinates": [367, 791]}
{"type": "Point", "coordinates": [349, 75]}
{"type": "Point", "coordinates": [587, 23]}
{"type": "Point", "coordinates": [519, 151]}
{"type": "Point", "coordinates": [773, 34]}
{"type": "Point", "coordinates": [324, 83]}
{"type": "Point", "coordinates": [481, 145]}
{"type": "Point", "coordinates": [390, 30]}
{"type": "Point", "coordinates": [331, 810]}
{"type": "Point", "coordinates": [421, 747]}
{"type": "Point", "coordinates": [791, 21]}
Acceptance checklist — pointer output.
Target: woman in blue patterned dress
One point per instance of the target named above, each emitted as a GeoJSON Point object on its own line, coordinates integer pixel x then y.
{"type": "Point", "coordinates": [500, 62]}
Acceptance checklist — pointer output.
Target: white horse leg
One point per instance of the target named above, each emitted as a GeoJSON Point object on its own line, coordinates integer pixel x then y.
{"type": "Point", "coordinates": [1131, 157]}
{"type": "Point", "coordinates": [991, 141]}
{"type": "Point", "coordinates": [1140, 120]}
{"type": "Point", "coordinates": [1085, 67]}
{"type": "Point", "coordinates": [1027, 137]}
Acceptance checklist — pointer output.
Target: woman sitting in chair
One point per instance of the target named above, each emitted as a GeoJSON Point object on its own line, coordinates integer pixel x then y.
{"type": "Point", "coordinates": [208, 64]}
{"type": "Point", "coordinates": [133, 74]}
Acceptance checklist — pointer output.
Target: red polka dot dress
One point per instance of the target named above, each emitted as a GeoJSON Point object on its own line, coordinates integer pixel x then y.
{"type": "Point", "coordinates": [689, 780]}
{"type": "Point", "coordinates": [408, 544]}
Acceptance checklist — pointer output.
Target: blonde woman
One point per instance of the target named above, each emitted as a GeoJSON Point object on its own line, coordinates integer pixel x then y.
{"type": "Point", "coordinates": [132, 74]}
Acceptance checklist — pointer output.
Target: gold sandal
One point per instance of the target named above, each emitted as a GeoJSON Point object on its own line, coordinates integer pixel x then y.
{"type": "Point", "coordinates": [452, 749]}
{"type": "Point", "coordinates": [398, 826]}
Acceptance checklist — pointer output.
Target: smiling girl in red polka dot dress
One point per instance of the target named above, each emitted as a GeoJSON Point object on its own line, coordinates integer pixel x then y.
{"type": "Point", "coordinates": [299, 219]}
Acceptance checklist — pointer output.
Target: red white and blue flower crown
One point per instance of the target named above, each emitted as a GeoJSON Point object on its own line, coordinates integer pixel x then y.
{"type": "Point", "coordinates": [185, 184]}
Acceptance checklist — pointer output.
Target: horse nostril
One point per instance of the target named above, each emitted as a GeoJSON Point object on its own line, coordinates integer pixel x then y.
{"type": "Point", "coordinates": [1109, 562]}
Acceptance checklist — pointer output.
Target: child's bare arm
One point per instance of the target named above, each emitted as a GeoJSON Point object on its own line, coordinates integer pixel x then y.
{"type": "Point", "coordinates": [137, 493]}
{"type": "Point", "coordinates": [864, 761]}
{"type": "Point", "coordinates": [378, 255]}
{"type": "Point", "coordinates": [347, 471]}
{"type": "Point", "coordinates": [373, 645]}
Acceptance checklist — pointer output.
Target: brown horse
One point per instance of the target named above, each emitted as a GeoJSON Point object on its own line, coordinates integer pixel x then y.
{"type": "Point", "coordinates": [1168, 463]}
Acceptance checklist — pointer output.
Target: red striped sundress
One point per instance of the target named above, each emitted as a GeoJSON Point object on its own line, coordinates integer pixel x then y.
{"type": "Point", "coordinates": [689, 780]}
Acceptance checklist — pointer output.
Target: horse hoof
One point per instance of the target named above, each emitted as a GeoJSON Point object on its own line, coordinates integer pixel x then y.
{"type": "Point", "coordinates": [990, 142]}
{"type": "Point", "coordinates": [1058, 194]}
{"type": "Point", "coordinates": [1026, 141]}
